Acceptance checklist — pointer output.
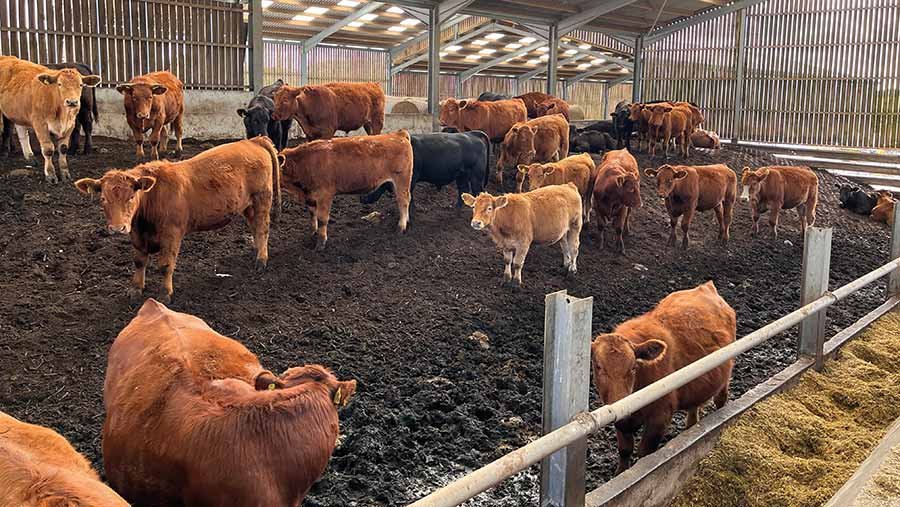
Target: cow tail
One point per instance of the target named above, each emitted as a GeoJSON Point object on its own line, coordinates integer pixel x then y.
{"type": "Point", "coordinates": [276, 178]}
{"type": "Point", "coordinates": [94, 111]}
{"type": "Point", "coordinates": [487, 161]}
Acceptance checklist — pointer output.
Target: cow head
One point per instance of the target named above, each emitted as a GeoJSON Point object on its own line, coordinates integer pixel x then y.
{"type": "Point", "coordinates": [518, 145]}
{"type": "Point", "coordinates": [536, 173]}
{"type": "Point", "coordinates": [141, 96]}
{"type": "Point", "coordinates": [547, 108]}
{"type": "Point", "coordinates": [68, 83]}
{"type": "Point", "coordinates": [751, 182]}
{"type": "Point", "coordinates": [339, 391]}
{"type": "Point", "coordinates": [666, 177]}
{"type": "Point", "coordinates": [634, 111]}
{"type": "Point", "coordinates": [120, 196]}
{"type": "Point", "coordinates": [256, 120]}
{"type": "Point", "coordinates": [846, 192]}
{"type": "Point", "coordinates": [658, 113]}
{"type": "Point", "coordinates": [616, 361]}
{"type": "Point", "coordinates": [286, 103]}
{"type": "Point", "coordinates": [629, 187]}
{"type": "Point", "coordinates": [483, 208]}
{"type": "Point", "coordinates": [449, 114]}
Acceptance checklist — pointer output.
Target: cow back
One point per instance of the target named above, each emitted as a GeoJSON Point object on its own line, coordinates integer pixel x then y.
{"type": "Point", "coordinates": [342, 106]}
{"type": "Point", "coordinates": [791, 185]}
{"type": "Point", "coordinates": [531, 101]}
{"type": "Point", "coordinates": [543, 215]}
{"type": "Point", "coordinates": [493, 118]}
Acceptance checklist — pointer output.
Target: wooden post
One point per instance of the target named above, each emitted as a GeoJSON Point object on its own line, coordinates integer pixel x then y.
{"type": "Point", "coordinates": [257, 60]}
{"type": "Point", "coordinates": [816, 266]}
{"type": "Point", "coordinates": [567, 366]}
{"type": "Point", "coordinates": [894, 278]}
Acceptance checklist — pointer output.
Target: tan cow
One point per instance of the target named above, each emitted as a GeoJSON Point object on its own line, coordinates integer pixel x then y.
{"type": "Point", "coordinates": [158, 203]}
{"type": "Point", "coordinates": [531, 100]}
{"type": "Point", "coordinates": [684, 327]}
{"type": "Point", "coordinates": [47, 101]}
{"type": "Point", "coordinates": [706, 139]}
{"type": "Point", "coordinates": [544, 139]}
{"type": "Point", "coordinates": [689, 189]}
{"type": "Point", "coordinates": [152, 102]}
{"type": "Point", "coordinates": [315, 172]}
{"type": "Point", "coordinates": [577, 169]}
{"type": "Point", "coordinates": [617, 189]}
{"type": "Point", "coordinates": [39, 468]}
{"type": "Point", "coordinates": [668, 123]}
{"type": "Point", "coordinates": [321, 110]}
{"type": "Point", "coordinates": [775, 188]}
{"type": "Point", "coordinates": [553, 105]}
{"type": "Point", "coordinates": [545, 216]}
{"type": "Point", "coordinates": [884, 208]}
{"type": "Point", "coordinates": [193, 419]}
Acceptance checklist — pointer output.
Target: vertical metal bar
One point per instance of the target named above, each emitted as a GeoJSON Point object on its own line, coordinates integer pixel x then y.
{"type": "Point", "coordinates": [894, 278]}
{"type": "Point", "coordinates": [434, 66]}
{"type": "Point", "coordinates": [553, 42]}
{"type": "Point", "coordinates": [567, 362]}
{"type": "Point", "coordinates": [739, 63]}
{"type": "Point", "coordinates": [816, 266]}
{"type": "Point", "coordinates": [304, 64]}
{"type": "Point", "coordinates": [638, 69]}
{"type": "Point", "coordinates": [458, 87]}
{"type": "Point", "coordinates": [605, 100]}
{"type": "Point", "coordinates": [388, 78]}
{"type": "Point", "coordinates": [256, 45]}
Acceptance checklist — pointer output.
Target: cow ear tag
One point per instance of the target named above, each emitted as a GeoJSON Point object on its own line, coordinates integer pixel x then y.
{"type": "Point", "coordinates": [271, 387]}
{"type": "Point", "coordinates": [337, 396]}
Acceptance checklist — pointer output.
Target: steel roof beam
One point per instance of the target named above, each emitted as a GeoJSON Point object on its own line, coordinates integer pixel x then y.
{"type": "Point", "coordinates": [474, 33]}
{"type": "Point", "coordinates": [311, 42]}
{"type": "Point", "coordinates": [704, 16]}
{"type": "Point", "coordinates": [600, 8]}
{"type": "Point", "coordinates": [463, 76]}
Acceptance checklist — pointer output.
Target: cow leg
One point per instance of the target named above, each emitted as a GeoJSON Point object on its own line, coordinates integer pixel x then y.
{"type": "Point", "coordinates": [801, 214]}
{"type": "Point", "coordinates": [507, 266]}
{"type": "Point", "coordinates": [728, 214]}
{"type": "Point", "coordinates": [673, 223]}
{"type": "Point", "coordinates": [163, 140]}
{"type": "Point", "coordinates": [518, 262]}
{"type": "Point", "coordinates": [721, 397]}
{"type": "Point", "coordinates": [619, 222]}
{"type": "Point", "coordinates": [625, 443]}
{"type": "Point", "coordinates": [25, 142]}
{"type": "Point", "coordinates": [257, 215]}
{"type": "Point", "coordinates": [323, 212]}
{"type": "Point", "coordinates": [627, 228]}
{"type": "Point", "coordinates": [693, 415]}
{"type": "Point", "coordinates": [686, 227]}
{"type": "Point", "coordinates": [755, 216]}
{"type": "Point", "coordinates": [47, 149]}
{"type": "Point", "coordinates": [773, 220]}
{"type": "Point", "coordinates": [564, 246]}
{"type": "Point", "coordinates": [75, 137]}
{"type": "Point", "coordinates": [720, 218]}
{"type": "Point", "coordinates": [315, 221]}
{"type": "Point", "coordinates": [154, 141]}
{"type": "Point", "coordinates": [62, 148]}
{"type": "Point", "coordinates": [654, 431]}
{"type": "Point", "coordinates": [87, 123]}
{"type": "Point", "coordinates": [403, 195]}
{"type": "Point", "coordinates": [520, 181]}
{"type": "Point", "coordinates": [178, 128]}
{"type": "Point", "coordinates": [141, 259]}
{"type": "Point", "coordinates": [138, 137]}
{"type": "Point", "coordinates": [574, 242]}
{"type": "Point", "coordinates": [168, 254]}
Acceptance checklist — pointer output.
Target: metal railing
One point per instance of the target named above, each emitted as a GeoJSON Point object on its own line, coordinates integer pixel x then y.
{"type": "Point", "coordinates": [816, 298]}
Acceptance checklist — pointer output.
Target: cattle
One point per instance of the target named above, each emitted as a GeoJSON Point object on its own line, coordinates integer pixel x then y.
{"type": "Point", "coordinates": [47, 101]}
{"type": "Point", "coordinates": [492, 97]}
{"type": "Point", "coordinates": [616, 191]}
{"type": "Point", "coordinates": [322, 110]}
{"type": "Point", "coordinates": [689, 189]}
{"type": "Point", "coordinates": [258, 119]}
{"type": "Point", "coordinates": [87, 112]}
{"type": "Point", "coordinates": [441, 159]}
{"type": "Point", "coordinates": [315, 172]}
{"type": "Point", "coordinates": [775, 188]}
{"type": "Point", "coordinates": [158, 203]}
{"type": "Point", "coordinates": [40, 468]}
{"type": "Point", "coordinates": [884, 210]}
{"type": "Point", "coordinates": [590, 141]}
{"type": "Point", "coordinates": [544, 139]}
{"type": "Point", "coordinates": [577, 169]}
{"type": "Point", "coordinates": [493, 118]}
{"type": "Point", "coordinates": [639, 115]}
{"type": "Point", "coordinates": [553, 105]}
{"type": "Point", "coordinates": [685, 326]}
{"type": "Point", "coordinates": [192, 418]}
{"type": "Point", "coordinates": [605, 126]}
{"type": "Point", "coordinates": [545, 216]}
{"type": "Point", "coordinates": [667, 123]}
{"type": "Point", "coordinates": [857, 200]}
{"type": "Point", "coordinates": [621, 119]}
{"type": "Point", "coordinates": [531, 100]}
{"type": "Point", "coordinates": [152, 102]}
{"type": "Point", "coordinates": [706, 139]}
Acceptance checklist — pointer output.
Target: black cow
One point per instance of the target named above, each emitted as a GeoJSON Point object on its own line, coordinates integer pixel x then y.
{"type": "Point", "coordinates": [591, 141]}
{"type": "Point", "coordinates": [443, 158]}
{"type": "Point", "coordinates": [623, 125]}
{"type": "Point", "coordinates": [258, 117]}
{"type": "Point", "coordinates": [6, 144]}
{"type": "Point", "coordinates": [857, 200]}
{"type": "Point", "coordinates": [602, 126]}
{"type": "Point", "coordinates": [491, 96]}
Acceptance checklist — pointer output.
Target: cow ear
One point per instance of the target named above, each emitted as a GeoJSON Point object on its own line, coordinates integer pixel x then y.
{"type": "Point", "coordinates": [343, 393]}
{"type": "Point", "coordinates": [242, 112]}
{"type": "Point", "coordinates": [763, 173]}
{"type": "Point", "coordinates": [501, 202]}
{"type": "Point", "coordinates": [549, 170]}
{"type": "Point", "coordinates": [532, 129]}
{"type": "Point", "coordinates": [88, 186]}
{"type": "Point", "coordinates": [159, 89]}
{"type": "Point", "coordinates": [462, 104]}
{"type": "Point", "coordinates": [523, 169]}
{"type": "Point", "coordinates": [651, 172]}
{"type": "Point", "coordinates": [469, 199]}
{"type": "Point", "coordinates": [650, 351]}
{"type": "Point", "coordinates": [47, 79]}
{"type": "Point", "coordinates": [90, 81]}
{"type": "Point", "coordinates": [679, 174]}
{"type": "Point", "coordinates": [267, 381]}
{"type": "Point", "coordinates": [144, 183]}
{"type": "Point", "coordinates": [620, 181]}
{"type": "Point", "coordinates": [125, 88]}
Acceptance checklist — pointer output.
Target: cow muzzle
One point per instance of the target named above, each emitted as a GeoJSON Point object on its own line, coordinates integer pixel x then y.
{"type": "Point", "coordinates": [119, 229]}
{"type": "Point", "coordinates": [745, 195]}
{"type": "Point", "coordinates": [143, 116]}
{"type": "Point", "coordinates": [477, 225]}
{"type": "Point", "coordinates": [73, 103]}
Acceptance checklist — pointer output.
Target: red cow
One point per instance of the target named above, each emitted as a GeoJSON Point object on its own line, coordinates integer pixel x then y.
{"type": "Point", "coordinates": [775, 188]}
{"type": "Point", "coordinates": [553, 105]}
{"type": "Point", "coordinates": [494, 118]}
{"type": "Point", "coordinates": [531, 100]}
{"type": "Point", "coordinates": [153, 101]}
{"type": "Point", "coordinates": [544, 139]}
{"type": "Point", "coordinates": [617, 189]}
{"type": "Point", "coordinates": [322, 110]}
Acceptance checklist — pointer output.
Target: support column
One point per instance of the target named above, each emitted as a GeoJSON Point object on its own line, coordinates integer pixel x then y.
{"type": "Point", "coordinates": [304, 67]}
{"type": "Point", "coordinates": [457, 87]}
{"type": "Point", "coordinates": [256, 45]}
{"type": "Point", "coordinates": [389, 77]}
{"type": "Point", "coordinates": [553, 44]}
{"type": "Point", "coordinates": [740, 64]}
{"type": "Point", "coordinates": [565, 90]}
{"type": "Point", "coordinates": [434, 67]}
{"type": "Point", "coordinates": [893, 287]}
{"type": "Point", "coordinates": [637, 87]}
{"type": "Point", "coordinates": [605, 99]}
{"type": "Point", "coordinates": [816, 266]}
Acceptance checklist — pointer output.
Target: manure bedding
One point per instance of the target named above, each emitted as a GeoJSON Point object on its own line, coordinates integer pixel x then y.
{"type": "Point", "coordinates": [393, 312]}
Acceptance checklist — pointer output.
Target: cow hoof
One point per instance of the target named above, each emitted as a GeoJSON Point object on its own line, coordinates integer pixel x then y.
{"type": "Point", "coordinates": [320, 245]}
{"type": "Point", "coordinates": [52, 179]}
{"type": "Point", "coordinates": [261, 265]}
{"type": "Point", "coordinates": [165, 299]}
{"type": "Point", "coordinates": [65, 176]}
{"type": "Point", "coordinates": [135, 296]}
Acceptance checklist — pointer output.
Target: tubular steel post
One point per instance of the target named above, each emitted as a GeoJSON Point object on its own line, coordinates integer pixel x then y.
{"type": "Point", "coordinates": [816, 266]}
{"type": "Point", "coordinates": [553, 44]}
{"type": "Point", "coordinates": [434, 66]}
{"type": "Point", "coordinates": [606, 99]}
{"type": "Point", "coordinates": [636, 88]}
{"type": "Point", "coordinates": [893, 286]}
{"type": "Point", "coordinates": [739, 63]}
{"type": "Point", "coordinates": [257, 61]}
{"type": "Point", "coordinates": [457, 87]}
{"type": "Point", "coordinates": [388, 76]}
{"type": "Point", "coordinates": [304, 67]}
{"type": "Point", "coordinates": [567, 362]}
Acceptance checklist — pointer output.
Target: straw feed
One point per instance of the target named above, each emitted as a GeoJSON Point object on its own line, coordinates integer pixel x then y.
{"type": "Point", "coordinates": [798, 448]}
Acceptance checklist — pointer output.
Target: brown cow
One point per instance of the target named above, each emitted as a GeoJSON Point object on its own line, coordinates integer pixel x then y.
{"type": "Point", "coordinates": [684, 327]}
{"type": "Point", "coordinates": [192, 418]}
{"type": "Point", "coordinates": [39, 468]}
{"type": "Point", "coordinates": [545, 216]}
{"type": "Point", "coordinates": [639, 114]}
{"type": "Point", "coordinates": [884, 208]}
{"type": "Point", "coordinates": [544, 139]}
{"type": "Point", "coordinates": [322, 110]}
{"type": "Point", "coordinates": [617, 189]}
{"type": "Point", "coordinates": [47, 101]}
{"type": "Point", "coordinates": [316, 172]}
{"type": "Point", "coordinates": [494, 118]}
{"type": "Point", "coordinates": [553, 105]}
{"type": "Point", "coordinates": [577, 169]}
{"type": "Point", "coordinates": [669, 122]}
{"type": "Point", "coordinates": [775, 188]}
{"type": "Point", "coordinates": [531, 100]}
{"type": "Point", "coordinates": [689, 189]}
{"type": "Point", "coordinates": [153, 101]}
{"type": "Point", "coordinates": [158, 203]}
{"type": "Point", "coordinates": [706, 139]}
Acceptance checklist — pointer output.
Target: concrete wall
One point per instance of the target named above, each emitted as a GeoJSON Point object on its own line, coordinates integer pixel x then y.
{"type": "Point", "coordinates": [213, 115]}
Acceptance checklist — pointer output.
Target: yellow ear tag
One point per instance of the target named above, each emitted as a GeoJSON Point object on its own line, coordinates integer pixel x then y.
{"type": "Point", "coordinates": [337, 397]}
{"type": "Point", "coordinates": [271, 387]}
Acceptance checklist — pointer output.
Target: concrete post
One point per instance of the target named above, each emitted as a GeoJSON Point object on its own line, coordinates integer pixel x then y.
{"type": "Point", "coordinates": [740, 64]}
{"type": "Point", "coordinates": [304, 67]}
{"type": "Point", "coordinates": [637, 89]}
{"type": "Point", "coordinates": [553, 44]}
{"type": "Point", "coordinates": [816, 266]}
{"type": "Point", "coordinates": [605, 99]}
{"type": "Point", "coordinates": [457, 86]}
{"type": "Point", "coordinates": [257, 61]}
{"type": "Point", "coordinates": [434, 66]}
{"type": "Point", "coordinates": [567, 364]}
{"type": "Point", "coordinates": [894, 278]}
